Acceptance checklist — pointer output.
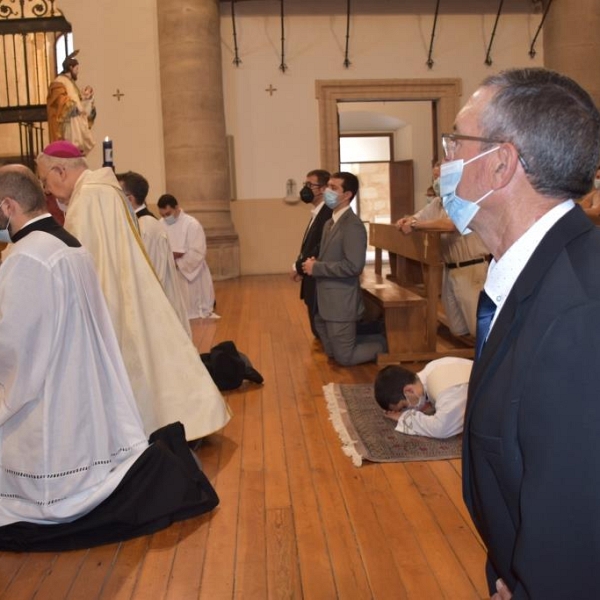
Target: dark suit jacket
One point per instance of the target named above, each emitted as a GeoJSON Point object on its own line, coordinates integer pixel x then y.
{"type": "Point", "coordinates": [337, 271]}
{"type": "Point", "coordinates": [531, 455]}
{"type": "Point", "coordinates": [311, 244]}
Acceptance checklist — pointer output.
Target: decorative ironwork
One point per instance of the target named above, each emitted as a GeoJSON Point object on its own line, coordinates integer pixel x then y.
{"type": "Point", "coordinates": [488, 58]}
{"type": "Point", "coordinates": [31, 139]}
{"type": "Point", "coordinates": [347, 62]}
{"type": "Point", "coordinates": [282, 67]}
{"type": "Point", "coordinates": [537, 33]}
{"type": "Point", "coordinates": [26, 9]}
{"type": "Point", "coordinates": [30, 31]}
{"type": "Point", "coordinates": [429, 62]}
{"type": "Point", "coordinates": [236, 58]}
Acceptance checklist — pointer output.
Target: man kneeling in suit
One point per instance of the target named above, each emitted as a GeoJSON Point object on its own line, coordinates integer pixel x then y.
{"type": "Point", "coordinates": [336, 271]}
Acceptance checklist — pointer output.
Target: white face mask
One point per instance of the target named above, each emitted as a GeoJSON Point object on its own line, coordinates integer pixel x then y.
{"type": "Point", "coordinates": [460, 211]}
{"type": "Point", "coordinates": [419, 404]}
{"type": "Point", "coordinates": [170, 220]}
{"type": "Point", "coordinates": [597, 184]}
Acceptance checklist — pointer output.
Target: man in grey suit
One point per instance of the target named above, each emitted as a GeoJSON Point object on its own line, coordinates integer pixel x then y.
{"type": "Point", "coordinates": [337, 271]}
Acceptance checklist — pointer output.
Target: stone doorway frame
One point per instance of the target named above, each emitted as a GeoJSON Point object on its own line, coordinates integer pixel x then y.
{"type": "Point", "coordinates": [443, 93]}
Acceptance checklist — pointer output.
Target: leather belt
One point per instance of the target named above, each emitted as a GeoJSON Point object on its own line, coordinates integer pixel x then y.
{"type": "Point", "coordinates": [466, 263]}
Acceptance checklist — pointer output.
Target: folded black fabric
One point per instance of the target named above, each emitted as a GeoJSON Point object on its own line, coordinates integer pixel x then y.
{"type": "Point", "coordinates": [228, 367]}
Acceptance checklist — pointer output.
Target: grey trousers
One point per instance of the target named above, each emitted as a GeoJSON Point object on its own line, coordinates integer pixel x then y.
{"type": "Point", "coordinates": [341, 343]}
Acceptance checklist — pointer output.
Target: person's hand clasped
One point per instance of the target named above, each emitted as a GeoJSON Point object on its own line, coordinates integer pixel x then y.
{"type": "Point", "coordinates": [307, 265]}
{"type": "Point", "coordinates": [502, 592]}
{"type": "Point", "coordinates": [406, 224]}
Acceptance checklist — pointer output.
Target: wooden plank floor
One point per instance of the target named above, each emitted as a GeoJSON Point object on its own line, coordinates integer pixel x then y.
{"type": "Point", "coordinates": [296, 518]}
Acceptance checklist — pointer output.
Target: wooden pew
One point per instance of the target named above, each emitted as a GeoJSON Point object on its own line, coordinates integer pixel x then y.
{"type": "Point", "coordinates": [403, 313]}
{"type": "Point", "coordinates": [415, 264]}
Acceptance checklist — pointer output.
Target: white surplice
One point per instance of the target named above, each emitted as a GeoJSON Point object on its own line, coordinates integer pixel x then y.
{"type": "Point", "coordinates": [159, 251]}
{"type": "Point", "coordinates": [169, 380]}
{"type": "Point", "coordinates": [69, 426]}
{"type": "Point", "coordinates": [186, 235]}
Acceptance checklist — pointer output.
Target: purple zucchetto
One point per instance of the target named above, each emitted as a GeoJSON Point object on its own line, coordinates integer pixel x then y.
{"type": "Point", "coordinates": [62, 149]}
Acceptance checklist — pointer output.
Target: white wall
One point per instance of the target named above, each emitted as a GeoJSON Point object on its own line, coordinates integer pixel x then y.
{"type": "Point", "coordinates": [277, 137]}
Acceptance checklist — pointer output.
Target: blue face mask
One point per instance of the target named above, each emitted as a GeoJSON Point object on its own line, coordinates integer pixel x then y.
{"type": "Point", "coordinates": [460, 211]}
{"type": "Point", "coordinates": [4, 235]}
{"type": "Point", "coordinates": [331, 198]}
{"type": "Point", "coordinates": [170, 220]}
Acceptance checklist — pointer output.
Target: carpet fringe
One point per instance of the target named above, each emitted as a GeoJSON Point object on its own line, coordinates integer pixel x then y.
{"type": "Point", "coordinates": [332, 394]}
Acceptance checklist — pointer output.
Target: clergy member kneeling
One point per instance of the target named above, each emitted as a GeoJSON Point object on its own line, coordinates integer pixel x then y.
{"type": "Point", "coordinates": [76, 467]}
{"type": "Point", "coordinates": [429, 403]}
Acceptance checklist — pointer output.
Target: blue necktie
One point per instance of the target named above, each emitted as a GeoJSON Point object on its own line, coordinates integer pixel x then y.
{"type": "Point", "coordinates": [486, 308]}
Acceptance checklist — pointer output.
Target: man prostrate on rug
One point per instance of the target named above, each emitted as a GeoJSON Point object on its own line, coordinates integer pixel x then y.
{"type": "Point", "coordinates": [76, 467]}
{"type": "Point", "coordinates": [431, 402]}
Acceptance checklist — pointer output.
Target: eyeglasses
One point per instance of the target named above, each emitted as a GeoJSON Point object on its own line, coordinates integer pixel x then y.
{"type": "Point", "coordinates": [312, 185]}
{"type": "Point", "coordinates": [43, 179]}
{"type": "Point", "coordinates": [451, 143]}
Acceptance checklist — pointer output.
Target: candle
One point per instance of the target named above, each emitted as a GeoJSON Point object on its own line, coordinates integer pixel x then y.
{"type": "Point", "coordinates": [107, 152]}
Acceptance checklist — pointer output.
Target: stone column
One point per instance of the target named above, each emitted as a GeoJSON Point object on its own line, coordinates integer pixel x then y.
{"type": "Point", "coordinates": [572, 42]}
{"type": "Point", "coordinates": [196, 153]}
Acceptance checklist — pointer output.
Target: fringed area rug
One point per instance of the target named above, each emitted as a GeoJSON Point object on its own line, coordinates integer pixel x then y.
{"type": "Point", "coordinates": [367, 435]}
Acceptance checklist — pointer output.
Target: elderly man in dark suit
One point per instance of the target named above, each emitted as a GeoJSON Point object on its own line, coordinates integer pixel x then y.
{"type": "Point", "coordinates": [525, 144]}
{"type": "Point", "coordinates": [312, 193]}
{"type": "Point", "coordinates": [337, 271]}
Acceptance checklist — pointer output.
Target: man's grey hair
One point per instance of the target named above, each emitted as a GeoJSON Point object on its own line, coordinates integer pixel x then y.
{"type": "Point", "coordinates": [67, 163]}
{"type": "Point", "coordinates": [20, 184]}
{"type": "Point", "coordinates": [552, 122]}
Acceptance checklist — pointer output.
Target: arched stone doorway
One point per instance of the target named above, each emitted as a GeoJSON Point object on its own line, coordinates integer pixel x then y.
{"type": "Point", "coordinates": [444, 94]}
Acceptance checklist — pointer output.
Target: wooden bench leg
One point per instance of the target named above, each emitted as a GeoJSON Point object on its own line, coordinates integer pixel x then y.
{"type": "Point", "coordinates": [404, 328]}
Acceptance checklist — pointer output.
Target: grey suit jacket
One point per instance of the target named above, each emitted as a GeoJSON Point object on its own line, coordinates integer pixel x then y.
{"type": "Point", "coordinates": [531, 454]}
{"type": "Point", "coordinates": [338, 268]}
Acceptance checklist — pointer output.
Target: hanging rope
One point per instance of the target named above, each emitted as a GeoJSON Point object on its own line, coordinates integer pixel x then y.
{"type": "Point", "coordinates": [236, 59]}
{"type": "Point", "coordinates": [488, 58]}
{"type": "Point", "coordinates": [347, 62]}
{"type": "Point", "coordinates": [537, 33]}
{"type": "Point", "coordinates": [435, 17]}
{"type": "Point", "coordinates": [282, 67]}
